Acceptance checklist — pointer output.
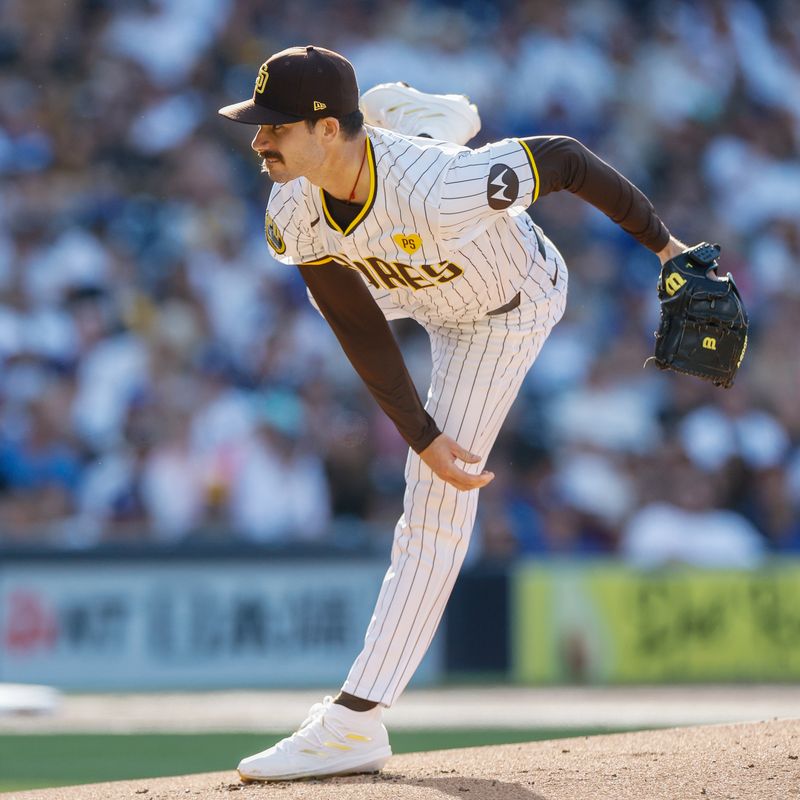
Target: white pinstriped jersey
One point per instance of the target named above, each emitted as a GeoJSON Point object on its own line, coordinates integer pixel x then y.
{"type": "Point", "coordinates": [442, 235]}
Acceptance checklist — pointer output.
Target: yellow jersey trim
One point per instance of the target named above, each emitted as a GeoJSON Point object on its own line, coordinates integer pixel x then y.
{"type": "Point", "coordinates": [367, 207]}
{"type": "Point", "coordinates": [533, 167]}
{"type": "Point", "coordinates": [316, 262]}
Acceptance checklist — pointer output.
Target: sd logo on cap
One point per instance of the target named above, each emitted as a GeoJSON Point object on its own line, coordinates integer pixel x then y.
{"type": "Point", "coordinates": [296, 84]}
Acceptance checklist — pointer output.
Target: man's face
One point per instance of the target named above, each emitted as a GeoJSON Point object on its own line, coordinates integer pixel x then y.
{"type": "Point", "coordinates": [288, 151]}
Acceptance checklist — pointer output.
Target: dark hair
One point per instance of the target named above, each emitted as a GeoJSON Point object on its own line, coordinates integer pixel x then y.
{"type": "Point", "coordinates": [349, 125]}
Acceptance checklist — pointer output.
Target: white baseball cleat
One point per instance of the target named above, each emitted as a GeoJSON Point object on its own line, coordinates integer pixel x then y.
{"type": "Point", "coordinates": [403, 109]}
{"type": "Point", "coordinates": [333, 740]}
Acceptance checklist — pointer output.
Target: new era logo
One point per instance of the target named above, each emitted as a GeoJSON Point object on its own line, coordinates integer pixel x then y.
{"type": "Point", "coordinates": [319, 106]}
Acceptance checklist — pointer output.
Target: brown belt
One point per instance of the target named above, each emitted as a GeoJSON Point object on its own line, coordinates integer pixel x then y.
{"type": "Point", "coordinates": [509, 306]}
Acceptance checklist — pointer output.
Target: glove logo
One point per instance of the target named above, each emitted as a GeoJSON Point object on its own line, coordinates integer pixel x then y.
{"type": "Point", "coordinates": [503, 187]}
{"type": "Point", "coordinates": [741, 357]}
{"type": "Point", "coordinates": [274, 238]}
{"type": "Point", "coordinates": [674, 282]}
{"type": "Point", "coordinates": [261, 80]}
{"type": "Point", "coordinates": [710, 343]}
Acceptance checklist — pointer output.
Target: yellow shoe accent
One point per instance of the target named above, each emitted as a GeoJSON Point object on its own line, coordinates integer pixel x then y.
{"type": "Point", "coordinates": [357, 737]}
{"type": "Point", "coordinates": [313, 753]}
{"type": "Point", "coordinates": [337, 746]}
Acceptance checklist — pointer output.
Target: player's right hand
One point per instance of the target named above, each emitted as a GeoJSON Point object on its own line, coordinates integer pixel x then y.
{"type": "Point", "coordinates": [441, 456]}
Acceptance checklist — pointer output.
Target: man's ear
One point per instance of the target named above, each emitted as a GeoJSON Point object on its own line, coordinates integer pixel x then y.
{"type": "Point", "coordinates": [329, 128]}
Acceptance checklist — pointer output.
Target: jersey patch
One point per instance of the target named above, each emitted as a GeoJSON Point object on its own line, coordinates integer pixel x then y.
{"type": "Point", "coordinates": [502, 188]}
{"type": "Point", "coordinates": [274, 238]}
{"type": "Point", "coordinates": [410, 242]}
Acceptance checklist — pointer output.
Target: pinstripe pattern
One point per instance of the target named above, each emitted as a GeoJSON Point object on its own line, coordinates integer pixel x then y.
{"type": "Point", "coordinates": [466, 258]}
{"type": "Point", "coordinates": [438, 192]}
{"type": "Point", "coordinates": [478, 368]}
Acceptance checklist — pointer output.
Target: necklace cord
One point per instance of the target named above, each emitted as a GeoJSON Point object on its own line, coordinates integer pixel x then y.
{"type": "Point", "coordinates": [360, 170]}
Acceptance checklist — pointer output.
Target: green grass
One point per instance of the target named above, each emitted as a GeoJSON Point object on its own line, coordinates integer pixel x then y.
{"type": "Point", "coordinates": [38, 761]}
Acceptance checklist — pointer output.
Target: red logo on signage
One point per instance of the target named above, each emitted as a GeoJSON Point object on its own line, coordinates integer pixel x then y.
{"type": "Point", "coordinates": [30, 625]}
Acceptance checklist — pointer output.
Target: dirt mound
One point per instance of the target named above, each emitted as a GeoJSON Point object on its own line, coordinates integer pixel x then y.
{"type": "Point", "coordinates": [750, 760]}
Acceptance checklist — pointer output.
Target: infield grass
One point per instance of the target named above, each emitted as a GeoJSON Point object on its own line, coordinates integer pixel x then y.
{"type": "Point", "coordinates": [37, 761]}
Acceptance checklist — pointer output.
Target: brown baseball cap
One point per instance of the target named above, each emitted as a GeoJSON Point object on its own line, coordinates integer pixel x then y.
{"type": "Point", "coordinates": [296, 84]}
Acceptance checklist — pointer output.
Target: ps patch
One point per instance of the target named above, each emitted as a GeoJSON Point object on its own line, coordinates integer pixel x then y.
{"type": "Point", "coordinates": [274, 238]}
{"type": "Point", "coordinates": [410, 242]}
{"type": "Point", "coordinates": [502, 189]}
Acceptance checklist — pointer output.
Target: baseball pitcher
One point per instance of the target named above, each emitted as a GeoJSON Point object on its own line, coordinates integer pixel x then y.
{"type": "Point", "coordinates": [397, 218]}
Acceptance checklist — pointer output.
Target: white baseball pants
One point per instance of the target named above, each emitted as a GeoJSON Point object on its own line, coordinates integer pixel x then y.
{"type": "Point", "coordinates": [478, 368]}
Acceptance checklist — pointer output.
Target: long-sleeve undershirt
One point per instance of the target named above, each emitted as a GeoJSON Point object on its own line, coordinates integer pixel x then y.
{"type": "Point", "coordinates": [365, 336]}
{"type": "Point", "coordinates": [363, 332]}
{"type": "Point", "coordinates": [564, 163]}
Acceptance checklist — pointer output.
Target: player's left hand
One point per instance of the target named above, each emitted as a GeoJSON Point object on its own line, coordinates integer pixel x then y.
{"type": "Point", "coordinates": [704, 324]}
{"type": "Point", "coordinates": [442, 453]}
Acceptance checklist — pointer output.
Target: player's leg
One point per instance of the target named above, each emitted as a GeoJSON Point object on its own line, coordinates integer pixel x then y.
{"type": "Point", "coordinates": [477, 371]}
{"type": "Point", "coordinates": [403, 109]}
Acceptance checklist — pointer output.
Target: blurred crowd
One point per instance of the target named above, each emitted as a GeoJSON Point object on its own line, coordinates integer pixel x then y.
{"type": "Point", "coordinates": [164, 380]}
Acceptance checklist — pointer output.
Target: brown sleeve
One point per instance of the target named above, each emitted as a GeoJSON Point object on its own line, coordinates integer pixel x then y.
{"type": "Point", "coordinates": [564, 163]}
{"type": "Point", "coordinates": [367, 340]}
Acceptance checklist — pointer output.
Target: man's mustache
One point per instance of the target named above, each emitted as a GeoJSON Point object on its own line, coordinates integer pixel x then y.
{"type": "Point", "coordinates": [265, 154]}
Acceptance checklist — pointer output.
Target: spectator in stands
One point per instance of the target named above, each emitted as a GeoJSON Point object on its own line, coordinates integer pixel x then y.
{"type": "Point", "coordinates": [687, 526]}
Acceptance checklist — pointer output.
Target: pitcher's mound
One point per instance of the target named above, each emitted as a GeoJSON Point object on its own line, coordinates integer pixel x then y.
{"type": "Point", "coordinates": [750, 760]}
